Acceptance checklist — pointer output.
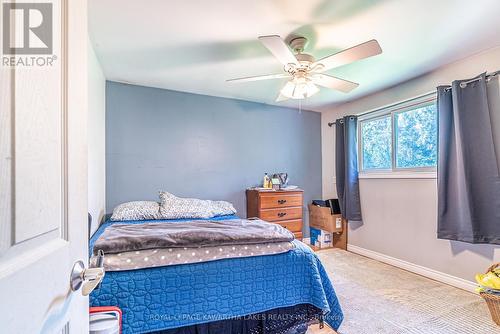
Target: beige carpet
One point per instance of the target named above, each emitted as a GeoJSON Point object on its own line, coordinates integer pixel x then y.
{"type": "Point", "coordinates": [381, 299]}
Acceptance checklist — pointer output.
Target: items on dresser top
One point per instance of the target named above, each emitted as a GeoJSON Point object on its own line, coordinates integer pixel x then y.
{"type": "Point", "coordinates": [266, 183]}
{"type": "Point", "coordinates": [276, 182]}
{"type": "Point", "coordinates": [283, 207]}
{"type": "Point", "coordinates": [283, 178]}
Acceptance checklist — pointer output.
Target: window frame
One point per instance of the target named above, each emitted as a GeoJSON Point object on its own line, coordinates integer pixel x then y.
{"type": "Point", "coordinates": [392, 111]}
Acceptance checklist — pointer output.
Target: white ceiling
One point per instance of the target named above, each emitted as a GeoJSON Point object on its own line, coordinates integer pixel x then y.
{"type": "Point", "coordinates": [195, 45]}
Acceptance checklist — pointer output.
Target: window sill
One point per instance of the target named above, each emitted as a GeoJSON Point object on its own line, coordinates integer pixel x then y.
{"type": "Point", "coordinates": [398, 175]}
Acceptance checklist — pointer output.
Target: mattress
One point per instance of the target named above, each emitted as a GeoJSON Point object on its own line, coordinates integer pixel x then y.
{"type": "Point", "coordinates": [161, 298]}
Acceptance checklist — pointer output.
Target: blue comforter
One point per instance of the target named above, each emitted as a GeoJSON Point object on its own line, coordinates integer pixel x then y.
{"type": "Point", "coordinates": [167, 297]}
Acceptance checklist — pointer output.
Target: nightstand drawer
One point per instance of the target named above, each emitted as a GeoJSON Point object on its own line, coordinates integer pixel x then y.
{"type": "Point", "coordinates": [268, 201]}
{"type": "Point", "coordinates": [273, 215]}
{"type": "Point", "coordinates": [294, 225]}
{"type": "Point", "coordinates": [298, 235]}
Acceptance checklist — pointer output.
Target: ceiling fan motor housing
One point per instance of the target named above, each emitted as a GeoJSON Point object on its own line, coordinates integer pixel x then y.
{"type": "Point", "coordinates": [305, 60]}
{"type": "Point", "coordinates": [304, 57]}
{"type": "Point", "coordinates": [298, 44]}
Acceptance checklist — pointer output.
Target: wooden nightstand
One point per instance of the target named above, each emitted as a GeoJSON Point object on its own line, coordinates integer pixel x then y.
{"type": "Point", "coordinates": [282, 207]}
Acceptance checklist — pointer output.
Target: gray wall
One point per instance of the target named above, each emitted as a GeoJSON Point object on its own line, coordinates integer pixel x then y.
{"type": "Point", "coordinates": [205, 147]}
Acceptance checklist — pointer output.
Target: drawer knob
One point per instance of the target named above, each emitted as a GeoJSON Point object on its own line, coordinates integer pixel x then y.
{"type": "Point", "coordinates": [281, 201]}
{"type": "Point", "coordinates": [281, 214]}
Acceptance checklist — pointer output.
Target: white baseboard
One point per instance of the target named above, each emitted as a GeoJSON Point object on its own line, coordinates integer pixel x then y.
{"type": "Point", "coordinates": [415, 268]}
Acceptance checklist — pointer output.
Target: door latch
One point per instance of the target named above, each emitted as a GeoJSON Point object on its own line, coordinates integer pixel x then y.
{"type": "Point", "coordinates": [89, 278]}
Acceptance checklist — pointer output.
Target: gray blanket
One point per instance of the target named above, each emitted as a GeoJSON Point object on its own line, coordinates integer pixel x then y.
{"type": "Point", "coordinates": [119, 238]}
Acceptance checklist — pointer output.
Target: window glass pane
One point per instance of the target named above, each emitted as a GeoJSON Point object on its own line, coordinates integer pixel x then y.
{"type": "Point", "coordinates": [376, 136]}
{"type": "Point", "coordinates": [416, 137]}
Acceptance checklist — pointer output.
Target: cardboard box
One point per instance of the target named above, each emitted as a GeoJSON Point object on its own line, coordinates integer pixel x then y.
{"type": "Point", "coordinates": [325, 240]}
{"type": "Point", "coordinates": [321, 218]}
{"type": "Point", "coordinates": [321, 238]}
{"type": "Point", "coordinates": [314, 234]}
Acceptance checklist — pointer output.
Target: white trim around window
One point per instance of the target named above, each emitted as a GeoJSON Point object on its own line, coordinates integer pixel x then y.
{"type": "Point", "coordinates": [394, 172]}
{"type": "Point", "coordinates": [398, 175]}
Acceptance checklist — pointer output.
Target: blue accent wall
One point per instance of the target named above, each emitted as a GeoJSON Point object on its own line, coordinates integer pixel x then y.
{"type": "Point", "coordinates": [205, 147]}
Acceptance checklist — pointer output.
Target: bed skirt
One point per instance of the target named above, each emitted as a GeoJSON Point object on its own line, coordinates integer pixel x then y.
{"type": "Point", "coordinates": [289, 320]}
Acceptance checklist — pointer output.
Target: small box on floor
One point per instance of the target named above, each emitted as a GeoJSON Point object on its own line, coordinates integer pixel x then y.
{"type": "Point", "coordinates": [320, 238]}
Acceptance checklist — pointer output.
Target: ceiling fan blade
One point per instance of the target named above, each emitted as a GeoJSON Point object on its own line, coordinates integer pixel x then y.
{"type": "Point", "coordinates": [279, 49]}
{"type": "Point", "coordinates": [358, 52]}
{"type": "Point", "coordinates": [334, 83]}
{"type": "Point", "coordinates": [260, 77]}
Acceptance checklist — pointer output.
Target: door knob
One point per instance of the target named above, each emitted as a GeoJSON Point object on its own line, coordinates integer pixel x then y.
{"type": "Point", "coordinates": [89, 278]}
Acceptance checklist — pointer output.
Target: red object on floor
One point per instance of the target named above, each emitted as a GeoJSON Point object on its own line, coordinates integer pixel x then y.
{"type": "Point", "coordinates": [108, 309]}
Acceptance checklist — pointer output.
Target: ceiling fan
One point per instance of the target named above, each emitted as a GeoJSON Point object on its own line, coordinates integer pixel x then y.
{"type": "Point", "coordinates": [305, 72]}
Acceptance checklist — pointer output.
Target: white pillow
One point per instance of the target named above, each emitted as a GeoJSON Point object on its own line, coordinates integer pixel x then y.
{"type": "Point", "coordinates": [173, 207]}
{"type": "Point", "coordinates": [137, 210]}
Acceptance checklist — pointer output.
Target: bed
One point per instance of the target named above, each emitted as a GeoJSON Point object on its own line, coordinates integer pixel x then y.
{"type": "Point", "coordinates": [177, 298]}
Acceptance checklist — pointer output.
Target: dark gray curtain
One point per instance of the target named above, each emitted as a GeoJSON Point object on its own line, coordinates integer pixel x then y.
{"type": "Point", "coordinates": [468, 168]}
{"type": "Point", "coordinates": [346, 167]}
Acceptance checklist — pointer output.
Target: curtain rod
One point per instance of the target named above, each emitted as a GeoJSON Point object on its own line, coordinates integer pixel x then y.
{"type": "Point", "coordinates": [390, 105]}
{"type": "Point", "coordinates": [465, 83]}
{"type": "Point", "coordinates": [488, 76]}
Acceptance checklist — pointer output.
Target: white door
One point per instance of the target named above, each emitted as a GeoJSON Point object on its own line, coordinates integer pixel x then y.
{"type": "Point", "coordinates": [43, 166]}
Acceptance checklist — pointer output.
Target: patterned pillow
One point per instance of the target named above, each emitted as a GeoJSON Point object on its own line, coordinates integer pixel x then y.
{"type": "Point", "coordinates": [173, 207]}
{"type": "Point", "coordinates": [137, 210]}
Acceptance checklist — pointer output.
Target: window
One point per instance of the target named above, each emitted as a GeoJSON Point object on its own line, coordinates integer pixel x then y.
{"type": "Point", "coordinates": [416, 137]}
{"type": "Point", "coordinates": [377, 143]}
{"type": "Point", "coordinates": [400, 139]}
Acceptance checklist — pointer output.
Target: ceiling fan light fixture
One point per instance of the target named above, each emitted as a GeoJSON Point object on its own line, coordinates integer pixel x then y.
{"type": "Point", "coordinates": [288, 89]}
{"type": "Point", "coordinates": [299, 88]}
{"type": "Point", "coordinates": [311, 89]}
